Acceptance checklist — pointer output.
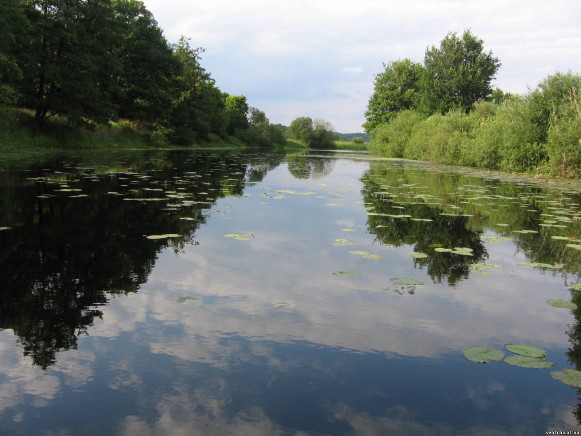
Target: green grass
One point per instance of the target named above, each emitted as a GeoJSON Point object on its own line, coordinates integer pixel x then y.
{"type": "Point", "coordinates": [348, 145]}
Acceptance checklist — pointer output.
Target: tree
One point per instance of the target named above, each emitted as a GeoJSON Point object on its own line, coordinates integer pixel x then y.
{"type": "Point", "coordinates": [315, 134]}
{"type": "Point", "coordinates": [70, 70]}
{"type": "Point", "coordinates": [457, 74]}
{"type": "Point", "coordinates": [148, 66]}
{"type": "Point", "coordinates": [236, 113]}
{"type": "Point", "coordinates": [13, 27]}
{"type": "Point", "coordinates": [395, 89]}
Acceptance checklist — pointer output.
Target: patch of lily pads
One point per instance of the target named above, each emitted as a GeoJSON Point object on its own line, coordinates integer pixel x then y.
{"type": "Point", "coordinates": [240, 237]}
{"type": "Point", "coordinates": [562, 304]}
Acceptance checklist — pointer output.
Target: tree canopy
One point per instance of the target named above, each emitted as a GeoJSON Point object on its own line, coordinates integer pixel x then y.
{"type": "Point", "coordinates": [395, 89]}
{"type": "Point", "coordinates": [317, 133]}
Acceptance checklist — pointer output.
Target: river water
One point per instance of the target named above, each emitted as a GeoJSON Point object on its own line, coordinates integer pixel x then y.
{"type": "Point", "coordinates": [213, 293]}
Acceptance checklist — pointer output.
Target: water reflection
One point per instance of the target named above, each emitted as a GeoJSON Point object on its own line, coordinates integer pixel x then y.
{"type": "Point", "coordinates": [215, 335]}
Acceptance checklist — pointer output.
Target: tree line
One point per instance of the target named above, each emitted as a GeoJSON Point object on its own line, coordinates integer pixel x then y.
{"type": "Point", "coordinates": [90, 62]}
{"type": "Point", "coordinates": [445, 110]}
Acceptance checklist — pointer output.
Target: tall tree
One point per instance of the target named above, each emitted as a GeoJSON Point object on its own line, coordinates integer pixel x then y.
{"type": "Point", "coordinates": [13, 27]}
{"type": "Point", "coordinates": [316, 133]}
{"type": "Point", "coordinates": [457, 74]}
{"type": "Point", "coordinates": [395, 89]}
{"type": "Point", "coordinates": [70, 70]}
{"type": "Point", "coordinates": [237, 113]}
{"type": "Point", "coordinates": [147, 64]}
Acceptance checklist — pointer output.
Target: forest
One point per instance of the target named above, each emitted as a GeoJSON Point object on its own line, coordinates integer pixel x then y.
{"type": "Point", "coordinates": [106, 63]}
{"type": "Point", "coordinates": [446, 111]}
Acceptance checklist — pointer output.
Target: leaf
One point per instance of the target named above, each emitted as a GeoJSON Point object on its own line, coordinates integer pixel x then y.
{"type": "Point", "coordinates": [570, 377]}
{"type": "Point", "coordinates": [540, 265]}
{"type": "Point", "coordinates": [526, 350]}
{"type": "Point", "coordinates": [482, 354]}
{"type": "Point", "coordinates": [575, 287]}
{"type": "Point", "coordinates": [366, 254]}
{"type": "Point", "coordinates": [575, 246]}
{"type": "Point", "coordinates": [495, 239]}
{"type": "Point", "coordinates": [562, 304]}
{"type": "Point", "coordinates": [342, 242]}
{"type": "Point", "coordinates": [165, 236]}
{"type": "Point", "coordinates": [240, 237]}
{"type": "Point", "coordinates": [345, 273]}
{"type": "Point", "coordinates": [406, 282]}
{"type": "Point", "coordinates": [528, 362]}
{"type": "Point", "coordinates": [418, 255]}
{"type": "Point", "coordinates": [5, 228]}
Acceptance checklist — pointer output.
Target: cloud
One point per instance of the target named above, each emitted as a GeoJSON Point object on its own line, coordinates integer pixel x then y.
{"type": "Point", "coordinates": [352, 70]}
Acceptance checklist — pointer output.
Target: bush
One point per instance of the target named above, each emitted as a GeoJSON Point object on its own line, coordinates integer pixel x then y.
{"type": "Point", "coordinates": [391, 139]}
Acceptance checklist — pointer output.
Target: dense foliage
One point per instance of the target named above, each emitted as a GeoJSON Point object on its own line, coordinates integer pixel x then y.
{"type": "Point", "coordinates": [317, 133]}
{"type": "Point", "coordinates": [450, 114]}
{"type": "Point", "coordinates": [91, 62]}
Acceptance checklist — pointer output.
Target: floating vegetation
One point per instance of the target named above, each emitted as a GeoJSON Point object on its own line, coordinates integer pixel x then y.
{"type": "Point", "coordinates": [5, 228]}
{"type": "Point", "coordinates": [240, 237]}
{"type": "Point", "coordinates": [418, 255]}
{"type": "Point", "coordinates": [483, 354]}
{"type": "Point", "coordinates": [570, 377]}
{"type": "Point", "coordinates": [288, 191]}
{"type": "Point", "coordinates": [187, 218]}
{"type": "Point", "coordinates": [574, 246]}
{"type": "Point", "coordinates": [463, 251]}
{"type": "Point", "coordinates": [540, 265]}
{"type": "Point", "coordinates": [164, 236]}
{"type": "Point", "coordinates": [333, 204]}
{"type": "Point", "coordinates": [343, 242]}
{"type": "Point", "coordinates": [562, 304]}
{"type": "Point", "coordinates": [366, 254]}
{"type": "Point", "coordinates": [495, 239]}
{"type": "Point", "coordinates": [193, 300]}
{"type": "Point", "coordinates": [528, 362]}
{"type": "Point", "coordinates": [347, 230]}
{"type": "Point", "coordinates": [345, 273]}
{"type": "Point", "coordinates": [485, 265]}
{"type": "Point", "coordinates": [406, 282]}
{"type": "Point", "coordinates": [526, 231]}
{"type": "Point", "coordinates": [526, 350]}
{"type": "Point", "coordinates": [575, 287]}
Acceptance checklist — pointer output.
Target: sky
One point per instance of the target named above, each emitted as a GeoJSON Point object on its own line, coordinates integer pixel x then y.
{"type": "Point", "coordinates": [318, 58]}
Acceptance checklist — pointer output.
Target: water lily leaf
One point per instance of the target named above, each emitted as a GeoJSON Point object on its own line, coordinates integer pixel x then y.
{"type": "Point", "coordinates": [526, 350]}
{"type": "Point", "coordinates": [164, 236]}
{"type": "Point", "coordinates": [240, 237]}
{"type": "Point", "coordinates": [575, 246]}
{"type": "Point", "coordinates": [193, 300]}
{"type": "Point", "coordinates": [575, 287]}
{"type": "Point", "coordinates": [526, 231]}
{"type": "Point", "coordinates": [485, 265]}
{"type": "Point", "coordinates": [539, 265]}
{"type": "Point", "coordinates": [418, 255]}
{"type": "Point", "coordinates": [187, 218]}
{"type": "Point", "coordinates": [332, 204]}
{"type": "Point", "coordinates": [288, 191]}
{"type": "Point", "coordinates": [570, 377]}
{"type": "Point", "coordinates": [366, 254]}
{"type": "Point", "coordinates": [5, 228]}
{"type": "Point", "coordinates": [463, 251]}
{"type": "Point", "coordinates": [495, 239]}
{"type": "Point", "coordinates": [482, 272]}
{"type": "Point", "coordinates": [563, 304]}
{"type": "Point", "coordinates": [528, 362]}
{"type": "Point", "coordinates": [345, 273]}
{"type": "Point", "coordinates": [406, 282]}
{"type": "Point", "coordinates": [342, 242]}
{"type": "Point", "coordinates": [443, 250]}
{"type": "Point", "coordinates": [347, 230]}
{"type": "Point", "coordinates": [482, 354]}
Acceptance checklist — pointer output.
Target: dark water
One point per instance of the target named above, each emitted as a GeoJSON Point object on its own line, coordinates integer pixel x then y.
{"type": "Point", "coordinates": [257, 319]}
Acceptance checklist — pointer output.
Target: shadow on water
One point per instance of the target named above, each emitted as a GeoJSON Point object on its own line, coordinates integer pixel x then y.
{"type": "Point", "coordinates": [79, 230]}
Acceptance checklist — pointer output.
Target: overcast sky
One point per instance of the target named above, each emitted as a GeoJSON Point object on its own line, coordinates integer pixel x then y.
{"type": "Point", "coordinates": [318, 58]}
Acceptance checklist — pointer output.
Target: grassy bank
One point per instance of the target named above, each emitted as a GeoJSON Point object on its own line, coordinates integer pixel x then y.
{"type": "Point", "coordinates": [18, 133]}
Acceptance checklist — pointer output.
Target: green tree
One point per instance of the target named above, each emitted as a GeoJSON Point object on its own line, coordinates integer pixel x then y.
{"type": "Point", "coordinates": [148, 66]}
{"type": "Point", "coordinates": [457, 74]}
{"type": "Point", "coordinates": [13, 26]}
{"type": "Point", "coordinates": [395, 89]}
{"type": "Point", "coordinates": [236, 113]}
{"type": "Point", "coordinates": [316, 133]}
{"type": "Point", "coordinates": [67, 60]}
{"type": "Point", "coordinates": [198, 105]}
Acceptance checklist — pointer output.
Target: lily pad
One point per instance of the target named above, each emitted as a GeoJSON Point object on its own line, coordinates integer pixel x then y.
{"type": "Point", "coordinates": [345, 273]}
{"type": "Point", "coordinates": [193, 300]}
{"type": "Point", "coordinates": [540, 265]}
{"type": "Point", "coordinates": [575, 246]}
{"type": "Point", "coordinates": [526, 350]}
{"type": "Point", "coordinates": [366, 254]}
{"type": "Point", "coordinates": [483, 354]}
{"type": "Point", "coordinates": [342, 242]}
{"type": "Point", "coordinates": [528, 362]}
{"type": "Point", "coordinates": [164, 236]}
{"type": "Point", "coordinates": [240, 237]}
{"type": "Point", "coordinates": [570, 377]}
{"type": "Point", "coordinates": [443, 250]}
{"type": "Point", "coordinates": [418, 255]}
{"type": "Point", "coordinates": [575, 287]}
{"type": "Point", "coordinates": [496, 239]}
{"type": "Point", "coordinates": [563, 304]}
{"type": "Point", "coordinates": [5, 228]}
{"type": "Point", "coordinates": [406, 282]}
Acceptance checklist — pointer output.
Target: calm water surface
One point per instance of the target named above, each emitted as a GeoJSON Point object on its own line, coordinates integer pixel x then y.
{"type": "Point", "coordinates": [219, 293]}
